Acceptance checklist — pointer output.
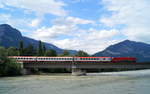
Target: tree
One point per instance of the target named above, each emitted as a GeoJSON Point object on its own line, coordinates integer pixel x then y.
{"type": "Point", "coordinates": [50, 52]}
{"type": "Point", "coordinates": [21, 48]}
{"type": "Point", "coordinates": [29, 51]}
{"type": "Point", "coordinates": [12, 51]}
{"type": "Point", "coordinates": [82, 54]}
{"type": "Point", "coordinates": [3, 54]}
{"type": "Point", "coordinates": [65, 53]}
{"type": "Point", "coordinates": [40, 49]}
{"type": "Point", "coordinates": [44, 49]}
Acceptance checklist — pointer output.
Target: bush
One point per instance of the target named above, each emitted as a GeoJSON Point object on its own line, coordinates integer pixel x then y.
{"type": "Point", "coordinates": [8, 67]}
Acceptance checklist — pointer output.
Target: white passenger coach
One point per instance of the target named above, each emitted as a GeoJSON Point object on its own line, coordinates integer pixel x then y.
{"type": "Point", "coordinates": [34, 58]}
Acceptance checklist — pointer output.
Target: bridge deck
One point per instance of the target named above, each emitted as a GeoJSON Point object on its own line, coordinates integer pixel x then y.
{"type": "Point", "coordinates": [85, 65]}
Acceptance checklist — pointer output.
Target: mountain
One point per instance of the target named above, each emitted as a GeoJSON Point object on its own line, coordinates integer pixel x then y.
{"type": "Point", "coordinates": [128, 48]}
{"type": "Point", "coordinates": [10, 36]}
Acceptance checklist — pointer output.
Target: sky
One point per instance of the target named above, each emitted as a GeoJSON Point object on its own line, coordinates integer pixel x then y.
{"type": "Point", "coordinates": [88, 25]}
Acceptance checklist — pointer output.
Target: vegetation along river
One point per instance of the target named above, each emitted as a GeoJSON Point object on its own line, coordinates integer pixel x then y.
{"type": "Point", "coordinates": [131, 82]}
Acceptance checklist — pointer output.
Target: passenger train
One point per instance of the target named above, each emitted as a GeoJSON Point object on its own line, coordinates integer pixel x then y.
{"type": "Point", "coordinates": [71, 59]}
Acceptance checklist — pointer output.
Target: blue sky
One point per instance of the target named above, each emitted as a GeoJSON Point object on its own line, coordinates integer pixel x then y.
{"type": "Point", "coordinates": [89, 25]}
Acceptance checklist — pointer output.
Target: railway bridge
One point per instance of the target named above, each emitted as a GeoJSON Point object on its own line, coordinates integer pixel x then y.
{"type": "Point", "coordinates": [77, 65]}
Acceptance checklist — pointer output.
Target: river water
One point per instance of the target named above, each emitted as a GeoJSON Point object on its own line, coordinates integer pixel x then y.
{"type": "Point", "coordinates": [131, 82]}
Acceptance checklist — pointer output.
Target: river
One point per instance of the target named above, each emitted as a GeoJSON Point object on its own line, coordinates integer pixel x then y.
{"type": "Point", "coordinates": [130, 82]}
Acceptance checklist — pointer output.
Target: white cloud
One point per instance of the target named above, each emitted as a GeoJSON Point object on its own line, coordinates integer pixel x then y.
{"type": "Point", "coordinates": [55, 31]}
{"type": "Point", "coordinates": [78, 20]}
{"type": "Point", "coordinates": [90, 40]}
{"type": "Point", "coordinates": [134, 14]}
{"type": "Point", "coordinates": [35, 22]}
{"type": "Point", "coordinates": [40, 7]}
{"type": "Point", "coordinates": [1, 5]}
{"type": "Point", "coordinates": [62, 26]}
{"type": "Point", "coordinates": [72, 21]}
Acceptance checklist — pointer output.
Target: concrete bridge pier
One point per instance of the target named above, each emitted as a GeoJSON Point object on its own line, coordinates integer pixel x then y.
{"type": "Point", "coordinates": [26, 71]}
{"type": "Point", "coordinates": [77, 72]}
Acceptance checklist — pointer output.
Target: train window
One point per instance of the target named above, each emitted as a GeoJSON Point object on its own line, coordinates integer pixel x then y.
{"type": "Point", "coordinates": [58, 59]}
{"type": "Point", "coordinates": [100, 59]}
{"type": "Point", "coordinates": [87, 58]}
{"type": "Point", "coordinates": [106, 59]}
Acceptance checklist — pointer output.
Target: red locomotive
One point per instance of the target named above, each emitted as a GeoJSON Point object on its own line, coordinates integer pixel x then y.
{"type": "Point", "coordinates": [123, 59]}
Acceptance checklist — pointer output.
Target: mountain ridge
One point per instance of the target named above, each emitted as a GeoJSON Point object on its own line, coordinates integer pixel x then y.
{"type": "Point", "coordinates": [128, 48]}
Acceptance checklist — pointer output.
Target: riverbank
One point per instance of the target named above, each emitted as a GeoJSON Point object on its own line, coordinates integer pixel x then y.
{"type": "Point", "coordinates": [144, 72]}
